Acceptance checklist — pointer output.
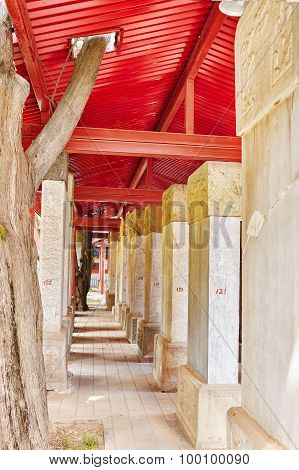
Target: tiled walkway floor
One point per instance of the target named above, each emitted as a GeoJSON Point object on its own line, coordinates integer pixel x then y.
{"type": "Point", "coordinates": [109, 383]}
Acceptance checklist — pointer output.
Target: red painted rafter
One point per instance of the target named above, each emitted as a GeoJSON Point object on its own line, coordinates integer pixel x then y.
{"type": "Point", "coordinates": [189, 107]}
{"type": "Point", "coordinates": [19, 15]}
{"type": "Point", "coordinates": [206, 39]}
{"type": "Point", "coordinates": [182, 90]}
{"type": "Point", "coordinates": [98, 223]}
{"type": "Point", "coordinates": [139, 173]}
{"type": "Point", "coordinates": [150, 144]}
{"type": "Point", "coordinates": [149, 173]}
{"type": "Point", "coordinates": [117, 195]}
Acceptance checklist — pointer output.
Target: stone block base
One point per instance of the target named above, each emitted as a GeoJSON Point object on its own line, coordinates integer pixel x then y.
{"type": "Point", "coordinates": [117, 312]}
{"type": "Point", "coordinates": [243, 432]}
{"type": "Point", "coordinates": [202, 409]}
{"type": "Point", "coordinates": [145, 339]}
{"type": "Point", "coordinates": [55, 354]}
{"type": "Point", "coordinates": [110, 300]}
{"type": "Point", "coordinates": [68, 324]}
{"type": "Point", "coordinates": [124, 313]}
{"type": "Point", "coordinates": [131, 327]}
{"type": "Point", "coordinates": [168, 357]}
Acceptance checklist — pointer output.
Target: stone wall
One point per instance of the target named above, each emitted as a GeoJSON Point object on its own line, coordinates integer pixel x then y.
{"type": "Point", "coordinates": [267, 56]}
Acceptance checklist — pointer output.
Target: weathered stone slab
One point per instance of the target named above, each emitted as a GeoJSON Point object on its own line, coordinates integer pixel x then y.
{"type": "Point", "coordinates": [243, 432]}
{"type": "Point", "coordinates": [123, 264]}
{"type": "Point", "coordinates": [113, 238]}
{"type": "Point", "coordinates": [153, 219]}
{"type": "Point", "coordinates": [59, 170]}
{"type": "Point", "coordinates": [52, 252]}
{"type": "Point", "coordinates": [202, 409]}
{"type": "Point", "coordinates": [174, 207]}
{"type": "Point", "coordinates": [267, 118]}
{"type": "Point", "coordinates": [175, 272]}
{"type": "Point", "coordinates": [55, 347]}
{"type": "Point", "coordinates": [146, 339]}
{"type": "Point", "coordinates": [214, 285]}
{"type": "Point", "coordinates": [267, 50]}
{"type": "Point", "coordinates": [171, 345]}
{"type": "Point", "coordinates": [149, 325]}
{"type": "Point", "coordinates": [214, 189]}
{"type": "Point", "coordinates": [168, 357]}
{"type": "Point", "coordinates": [153, 277]}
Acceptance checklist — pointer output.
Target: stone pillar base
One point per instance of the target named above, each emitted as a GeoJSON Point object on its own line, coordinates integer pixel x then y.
{"type": "Point", "coordinates": [124, 313]}
{"type": "Point", "coordinates": [117, 312]}
{"type": "Point", "coordinates": [202, 409]}
{"type": "Point", "coordinates": [55, 354]}
{"type": "Point", "coordinates": [145, 339]}
{"type": "Point", "coordinates": [68, 323]}
{"type": "Point", "coordinates": [110, 300]}
{"type": "Point", "coordinates": [131, 327]}
{"type": "Point", "coordinates": [243, 432]}
{"type": "Point", "coordinates": [168, 357]}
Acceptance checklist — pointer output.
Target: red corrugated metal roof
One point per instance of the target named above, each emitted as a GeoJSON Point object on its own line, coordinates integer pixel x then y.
{"type": "Point", "coordinates": [135, 83]}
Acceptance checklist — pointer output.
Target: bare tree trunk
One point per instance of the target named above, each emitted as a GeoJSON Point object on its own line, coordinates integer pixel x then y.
{"type": "Point", "coordinates": [23, 404]}
{"type": "Point", "coordinates": [23, 410]}
{"type": "Point", "coordinates": [86, 266]}
{"type": "Point", "coordinates": [83, 275]}
{"type": "Point", "coordinates": [79, 290]}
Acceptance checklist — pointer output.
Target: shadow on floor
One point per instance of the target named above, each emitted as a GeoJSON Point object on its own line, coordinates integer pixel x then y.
{"type": "Point", "coordinates": [97, 339]}
{"type": "Point", "coordinates": [86, 329]}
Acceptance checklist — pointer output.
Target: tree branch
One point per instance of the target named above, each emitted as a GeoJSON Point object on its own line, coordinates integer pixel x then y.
{"type": "Point", "coordinates": [6, 46]}
{"type": "Point", "coordinates": [53, 138]}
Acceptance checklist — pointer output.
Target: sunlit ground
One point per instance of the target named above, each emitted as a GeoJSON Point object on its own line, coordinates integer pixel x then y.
{"type": "Point", "coordinates": [95, 299]}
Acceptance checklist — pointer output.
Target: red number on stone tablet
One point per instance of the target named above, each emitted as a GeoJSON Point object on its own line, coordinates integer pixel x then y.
{"type": "Point", "coordinates": [221, 291]}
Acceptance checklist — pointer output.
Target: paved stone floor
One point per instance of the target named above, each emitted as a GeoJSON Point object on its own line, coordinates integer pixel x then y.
{"type": "Point", "coordinates": [109, 383]}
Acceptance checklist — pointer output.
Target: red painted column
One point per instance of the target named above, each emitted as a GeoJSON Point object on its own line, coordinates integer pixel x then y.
{"type": "Point", "coordinates": [74, 262]}
{"type": "Point", "coordinates": [102, 285]}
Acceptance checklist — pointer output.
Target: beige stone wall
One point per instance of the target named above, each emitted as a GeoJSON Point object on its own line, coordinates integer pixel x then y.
{"type": "Point", "coordinates": [267, 58]}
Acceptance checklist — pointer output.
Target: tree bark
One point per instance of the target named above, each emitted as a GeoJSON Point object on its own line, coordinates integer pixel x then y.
{"type": "Point", "coordinates": [23, 403]}
{"type": "Point", "coordinates": [83, 274]}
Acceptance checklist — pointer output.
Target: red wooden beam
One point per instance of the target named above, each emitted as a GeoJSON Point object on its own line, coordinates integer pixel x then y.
{"type": "Point", "coordinates": [18, 13]}
{"type": "Point", "coordinates": [189, 107]}
{"type": "Point", "coordinates": [209, 33]}
{"type": "Point", "coordinates": [149, 173]}
{"type": "Point", "coordinates": [96, 194]}
{"type": "Point", "coordinates": [203, 45]}
{"type": "Point", "coordinates": [139, 173]}
{"type": "Point", "coordinates": [97, 229]}
{"type": "Point", "coordinates": [150, 144]}
{"type": "Point", "coordinates": [98, 223]}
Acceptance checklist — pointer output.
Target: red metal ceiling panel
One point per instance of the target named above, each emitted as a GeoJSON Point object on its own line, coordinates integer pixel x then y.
{"type": "Point", "coordinates": [135, 84]}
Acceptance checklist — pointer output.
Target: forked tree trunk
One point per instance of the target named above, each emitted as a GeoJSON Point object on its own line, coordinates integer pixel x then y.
{"type": "Point", "coordinates": [23, 404]}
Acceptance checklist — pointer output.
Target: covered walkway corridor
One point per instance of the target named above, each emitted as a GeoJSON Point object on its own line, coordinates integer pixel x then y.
{"type": "Point", "coordinates": [149, 161]}
{"type": "Point", "coordinates": [109, 383]}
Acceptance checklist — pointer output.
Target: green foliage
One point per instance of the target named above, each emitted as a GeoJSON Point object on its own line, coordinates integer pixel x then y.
{"type": "Point", "coordinates": [2, 233]}
{"type": "Point", "coordinates": [88, 442]}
